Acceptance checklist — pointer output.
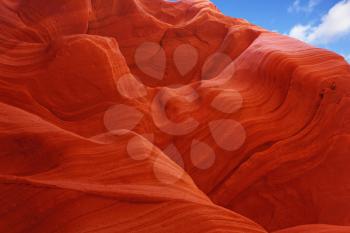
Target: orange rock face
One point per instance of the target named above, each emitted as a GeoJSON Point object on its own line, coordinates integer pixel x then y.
{"type": "Point", "coordinates": [161, 116]}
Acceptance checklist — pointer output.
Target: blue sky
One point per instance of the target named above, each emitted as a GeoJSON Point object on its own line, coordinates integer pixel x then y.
{"type": "Point", "coordinates": [323, 23]}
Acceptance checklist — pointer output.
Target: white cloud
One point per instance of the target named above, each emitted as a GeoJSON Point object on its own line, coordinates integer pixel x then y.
{"type": "Point", "coordinates": [300, 31]}
{"type": "Point", "coordinates": [347, 58]}
{"type": "Point", "coordinates": [307, 8]}
{"type": "Point", "coordinates": [335, 24]}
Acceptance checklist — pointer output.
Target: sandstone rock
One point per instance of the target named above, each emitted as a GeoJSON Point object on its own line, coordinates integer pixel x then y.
{"type": "Point", "coordinates": [161, 116]}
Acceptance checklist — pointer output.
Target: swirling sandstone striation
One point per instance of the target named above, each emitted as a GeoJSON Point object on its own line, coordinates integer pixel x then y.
{"type": "Point", "coordinates": [156, 116]}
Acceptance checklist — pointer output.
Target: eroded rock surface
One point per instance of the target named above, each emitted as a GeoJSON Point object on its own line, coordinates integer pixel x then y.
{"type": "Point", "coordinates": [157, 116]}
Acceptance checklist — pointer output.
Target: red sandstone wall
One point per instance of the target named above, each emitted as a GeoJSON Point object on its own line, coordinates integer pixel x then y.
{"type": "Point", "coordinates": [151, 116]}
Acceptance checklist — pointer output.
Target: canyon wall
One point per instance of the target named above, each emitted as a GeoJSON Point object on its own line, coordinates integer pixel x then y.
{"type": "Point", "coordinates": [156, 116]}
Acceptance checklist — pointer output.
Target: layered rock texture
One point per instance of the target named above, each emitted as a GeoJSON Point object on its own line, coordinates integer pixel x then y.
{"type": "Point", "coordinates": [156, 116]}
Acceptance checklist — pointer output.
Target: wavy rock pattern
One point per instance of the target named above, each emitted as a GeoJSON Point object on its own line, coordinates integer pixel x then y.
{"type": "Point", "coordinates": [156, 116]}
